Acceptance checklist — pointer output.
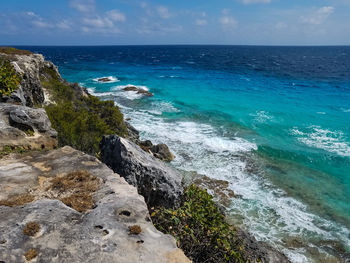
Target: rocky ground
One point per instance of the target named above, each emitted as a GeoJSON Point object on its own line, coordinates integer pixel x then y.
{"type": "Point", "coordinates": [33, 186]}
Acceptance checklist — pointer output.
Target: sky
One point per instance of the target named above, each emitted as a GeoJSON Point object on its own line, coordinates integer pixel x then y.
{"type": "Point", "coordinates": [133, 22]}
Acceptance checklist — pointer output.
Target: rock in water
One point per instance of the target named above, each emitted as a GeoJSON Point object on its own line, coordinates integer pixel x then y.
{"type": "Point", "coordinates": [106, 79]}
{"type": "Point", "coordinates": [101, 234]}
{"type": "Point", "coordinates": [138, 90]}
{"type": "Point", "coordinates": [158, 183]}
{"type": "Point", "coordinates": [162, 152]}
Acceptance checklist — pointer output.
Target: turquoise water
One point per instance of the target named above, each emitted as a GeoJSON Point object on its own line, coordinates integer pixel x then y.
{"type": "Point", "coordinates": [274, 122]}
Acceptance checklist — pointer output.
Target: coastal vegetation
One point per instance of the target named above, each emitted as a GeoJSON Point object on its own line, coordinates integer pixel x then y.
{"type": "Point", "coordinates": [9, 80]}
{"type": "Point", "coordinates": [80, 119]}
{"type": "Point", "coordinates": [199, 228]}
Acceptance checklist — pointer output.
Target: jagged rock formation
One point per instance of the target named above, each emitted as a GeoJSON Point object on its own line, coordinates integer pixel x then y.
{"type": "Point", "coordinates": [26, 128]}
{"type": "Point", "coordinates": [116, 229]}
{"type": "Point", "coordinates": [31, 68]}
{"type": "Point", "coordinates": [158, 183]}
{"type": "Point", "coordinates": [161, 151]}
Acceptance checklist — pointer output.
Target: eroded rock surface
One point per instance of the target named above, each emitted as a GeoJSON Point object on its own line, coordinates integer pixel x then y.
{"type": "Point", "coordinates": [99, 235]}
{"type": "Point", "coordinates": [157, 182]}
{"type": "Point", "coordinates": [26, 128]}
{"type": "Point", "coordinates": [31, 68]}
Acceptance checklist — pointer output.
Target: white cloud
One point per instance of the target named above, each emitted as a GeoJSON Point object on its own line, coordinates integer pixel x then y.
{"type": "Point", "coordinates": [84, 6]}
{"type": "Point", "coordinates": [319, 16]}
{"type": "Point", "coordinates": [42, 24]}
{"type": "Point", "coordinates": [256, 1]}
{"type": "Point", "coordinates": [281, 25]}
{"type": "Point", "coordinates": [64, 25]}
{"type": "Point", "coordinates": [97, 22]}
{"type": "Point", "coordinates": [201, 22]}
{"type": "Point", "coordinates": [163, 12]}
{"type": "Point", "coordinates": [116, 16]}
{"type": "Point", "coordinates": [228, 21]}
{"type": "Point", "coordinates": [37, 21]}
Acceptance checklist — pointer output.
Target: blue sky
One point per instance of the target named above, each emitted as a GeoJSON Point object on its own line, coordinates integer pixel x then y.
{"type": "Point", "coordinates": [120, 22]}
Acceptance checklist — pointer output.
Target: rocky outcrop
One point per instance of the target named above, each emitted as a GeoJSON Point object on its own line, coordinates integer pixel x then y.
{"type": "Point", "coordinates": [157, 182]}
{"type": "Point", "coordinates": [32, 68]}
{"type": "Point", "coordinates": [26, 128]}
{"type": "Point", "coordinates": [252, 249]}
{"type": "Point", "coordinates": [160, 151]}
{"type": "Point", "coordinates": [138, 90]}
{"type": "Point", "coordinates": [117, 228]}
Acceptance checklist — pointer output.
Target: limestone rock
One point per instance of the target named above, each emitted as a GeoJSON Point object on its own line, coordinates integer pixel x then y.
{"type": "Point", "coordinates": [98, 235]}
{"type": "Point", "coordinates": [31, 68]}
{"type": "Point", "coordinates": [25, 127]}
{"type": "Point", "coordinates": [157, 182]}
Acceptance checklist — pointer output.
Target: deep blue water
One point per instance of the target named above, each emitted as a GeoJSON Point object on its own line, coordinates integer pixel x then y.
{"type": "Point", "coordinates": [273, 121]}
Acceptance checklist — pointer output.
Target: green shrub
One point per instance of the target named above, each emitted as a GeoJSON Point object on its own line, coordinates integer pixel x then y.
{"type": "Point", "coordinates": [82, 126]}
{"type": "Point", "coordinates": [9, 80]}
{"type": "Point", "coordinates": [199, 228]}
{"type": "Point", "coordinates": [80, 121]}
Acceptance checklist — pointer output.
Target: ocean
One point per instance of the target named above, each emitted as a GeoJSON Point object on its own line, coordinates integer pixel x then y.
{"type": "Point", "coordinates": [272, 121]}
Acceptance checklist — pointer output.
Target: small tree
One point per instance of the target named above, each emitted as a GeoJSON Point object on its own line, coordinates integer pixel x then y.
{"type": "Point", "coordinates": [9, 80]}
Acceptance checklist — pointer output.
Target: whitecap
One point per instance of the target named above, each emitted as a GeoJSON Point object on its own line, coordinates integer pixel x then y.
{"type": "Point", "coordinates": [325, 139]}
{"type": "Point", "coordinates": [269, 213]}
{"type": "Point", "coordinates": [261, 116]}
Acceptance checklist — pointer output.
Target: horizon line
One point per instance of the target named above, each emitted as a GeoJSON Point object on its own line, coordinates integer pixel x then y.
{"type": "Point", "coordinates": [120, 45]}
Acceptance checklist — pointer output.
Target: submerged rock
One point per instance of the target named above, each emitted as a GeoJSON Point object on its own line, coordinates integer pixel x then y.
{"type": "Point", "coordinates": [62, 234]}
{"type": "Point", "coordinates": [158, 183]}
{"type": "Point", "coordinates": [26, 128]}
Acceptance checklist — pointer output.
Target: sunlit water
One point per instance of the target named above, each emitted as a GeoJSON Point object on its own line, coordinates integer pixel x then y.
{"type": "Point", "coordinates": [273, 121]}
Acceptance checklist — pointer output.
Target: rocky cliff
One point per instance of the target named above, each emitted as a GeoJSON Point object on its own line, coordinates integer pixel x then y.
{"type": "Point", "coordinates": [66, 206]}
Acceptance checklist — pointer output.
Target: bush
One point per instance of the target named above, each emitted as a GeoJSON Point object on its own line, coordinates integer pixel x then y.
{"type": "Point", "coordinates": [199, 228]}
{"type": "Point", "coordinates": [9, 80]}
{"type": "Point", "coordinates": [80, 121]}
{"type": "Point", "coordinates": [82, 124]}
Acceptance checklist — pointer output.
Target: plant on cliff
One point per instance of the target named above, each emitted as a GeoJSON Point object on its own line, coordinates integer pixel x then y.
{"type": "Point", "coordinates": [81, 121]}
{"type": "Point", "coordinates": [9, 80]}
{"type": "Point", "coordinates": [200, 228]}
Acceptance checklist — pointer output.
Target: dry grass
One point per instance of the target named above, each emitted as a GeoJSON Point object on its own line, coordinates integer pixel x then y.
{"type": "Point", "coordinates": [80, 202]}
{"type": "Point", "coordinates": [30, 254]}
{"type": "Point", "coordinates": [17, 200]}
{"type": "Point", "coordinates": [31, 228]}
{"type": "Point", "coordinates": [76, 189]}
{"type": "Point", "coordinates": [135, 230]}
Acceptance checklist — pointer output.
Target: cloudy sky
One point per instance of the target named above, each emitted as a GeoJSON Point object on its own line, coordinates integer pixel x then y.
{"type": "Point", "coordinates": [120, 22]}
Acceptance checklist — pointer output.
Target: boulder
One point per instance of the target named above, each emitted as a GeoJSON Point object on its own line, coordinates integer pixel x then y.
{"type": "Point", "coordinates": [162, 152]}
{"type": "Point", "coordinates": [24, 127]}
{"type": "Point", "coordinates": [158, 183]}
{"type": "Point", "coordinates": [46, 229]}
